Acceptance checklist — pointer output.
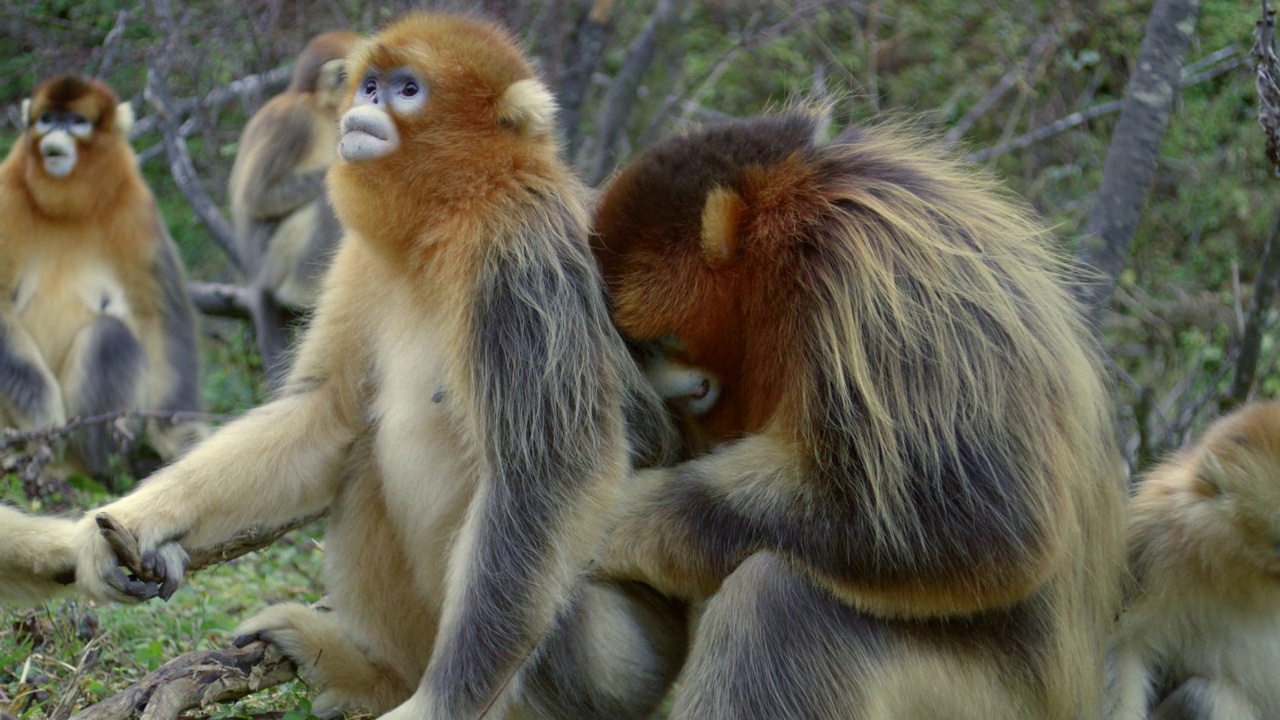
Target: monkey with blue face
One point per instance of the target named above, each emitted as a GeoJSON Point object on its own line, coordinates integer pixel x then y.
{"type": "Point", "coordinates": [94, 315]}
{"type": "Point", "coordinates": [461, 405]}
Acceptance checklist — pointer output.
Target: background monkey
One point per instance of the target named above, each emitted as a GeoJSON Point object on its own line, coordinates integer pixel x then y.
{"type": "Point", "coordinates": [913, 506]}
{"type": "Point", "coordinates": [457, 402]}
{"type": "Point", "coordinates": [1200, 636]}
{"type": "Point", "coordinates": [285, 227]}
{"type": "Point", "coordinates": [94, 315]}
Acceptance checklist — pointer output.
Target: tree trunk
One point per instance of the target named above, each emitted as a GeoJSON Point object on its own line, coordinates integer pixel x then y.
{"type": "Point", "coordinates": [1135, 149]}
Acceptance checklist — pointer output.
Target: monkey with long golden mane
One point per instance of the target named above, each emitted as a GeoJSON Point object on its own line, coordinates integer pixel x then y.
{"type": "Point", "coordinates": [910, 506]}
{"type": "Point", "coordinates": [457, 403]}
{"type": "Point", "coordinates": [94, 316]}
{"type": "Point", "coordinates": [1199, 638]}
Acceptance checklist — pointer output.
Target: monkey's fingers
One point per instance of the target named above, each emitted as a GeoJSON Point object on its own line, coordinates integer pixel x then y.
{"type": "Point", "coordinates": [168, 565]}
{"type": "Point", "coordinates": [158, 573]}
{"type": "Point", "coordinates": [123, 543]}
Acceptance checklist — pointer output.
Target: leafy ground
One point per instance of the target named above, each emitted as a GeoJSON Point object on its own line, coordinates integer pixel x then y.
{"type": "Point", "coordinates": [71, 653]}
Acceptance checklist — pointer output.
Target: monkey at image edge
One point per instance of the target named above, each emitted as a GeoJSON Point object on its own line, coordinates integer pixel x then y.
{"type": "Point", "coordinates": [94, 316]}
{"type": "Point", "coordinates": [1199, 638]}
{"type": "Point", "coordinates": [456, 403]}
{"type": "Point", "coordinates": [912, 502]}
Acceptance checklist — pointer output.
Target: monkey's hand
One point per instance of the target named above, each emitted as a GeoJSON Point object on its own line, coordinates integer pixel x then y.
{"type": "Point", "coordinates": [114, 564]}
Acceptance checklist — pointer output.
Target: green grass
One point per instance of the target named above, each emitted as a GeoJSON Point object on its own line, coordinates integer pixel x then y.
{"type": "Point", "coordinates": [74, 652]}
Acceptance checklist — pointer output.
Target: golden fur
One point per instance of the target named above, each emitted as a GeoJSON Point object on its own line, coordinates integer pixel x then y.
{"type": "Point", "coordinates": [457, 404]}
{"type": "Point", "coordinates": [1204, 616]}
{"type": "Point", "coordinates": [910, 426]}
{"type": "Point", "coordinates": [285, 229]}
{"type": "Point", "coordinates": [37, 556]}
{"type": "Point", "coordinates": [93, 309]}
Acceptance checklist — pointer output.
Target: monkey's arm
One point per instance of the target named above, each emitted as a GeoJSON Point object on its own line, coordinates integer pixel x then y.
{"type": "Point", "coordinates": [29, 391]}
{"type": "Point", "coordinates": [291, 193]}
{"type": "Point", "coordinates": [549, 404]}
{"type": "Point", "coordinates": [278, 462]}
{"type": "Point", "coordinates": [939, 549]}
{"type": "Point", "coordinates": [276, 143]}
{"type": "Point", "coordinates": [36, 556]}
{"type": "Point", "coordinates": [1129, 684]}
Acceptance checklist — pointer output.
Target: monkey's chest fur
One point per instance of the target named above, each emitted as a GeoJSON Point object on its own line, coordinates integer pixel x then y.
{"type": "Point", "coordinates": [59, 294]}
{"type": "Point", "coordinates": [426, 454]}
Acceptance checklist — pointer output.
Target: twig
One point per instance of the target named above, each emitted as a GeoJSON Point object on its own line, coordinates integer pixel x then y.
{"type": "Point", "coordinates": [622, 92]}
{"type": "Point", "coordinates": [1067, 122]}
{"type": "Point", "coordinates": [183, 169]}
{"type": "Point", "coordinates": [237, 89]}
{"type": "Point", "coordinates": [589, 43]}
{"type": "Point", "coordinates": [1133, 152]}
{"type": "Point", "coordinates": [1267, 81]}
{"type": "Point", "coordinates": [1264, 291]}
{"type": "Point", "coordinates": [1041, 46]}
{"type": "Point", "coordinates": [194, 680]}
{"type": "Point", "coordinates": [111, 42]}
{"type": "Point", "coordinates": [129, 554]}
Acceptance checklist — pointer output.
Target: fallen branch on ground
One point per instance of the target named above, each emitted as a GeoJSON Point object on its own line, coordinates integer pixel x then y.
{"type": "Point", "coordinates": [194, 680]}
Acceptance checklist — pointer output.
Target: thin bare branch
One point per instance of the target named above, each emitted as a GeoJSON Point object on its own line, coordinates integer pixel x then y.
{"type": "Point", "coordinates": [183, 169]}
{"type": "Point", "coordinates": [255, 538]}
{"type": "Point", "coordinates": [245, 87]}
{"type": "Point", "coordinates": [1267, 81]}
{"type": "Point", "coordinates": [1075, 119]}
{"type": "Point", "coordinates": [622, 93]}
{"type": "Point", "coordinates": [1039, 48]}
{"type": "Point", "coordinates": [1264, 292]}
{"type": "Point", "coordinates": [1134, 150]}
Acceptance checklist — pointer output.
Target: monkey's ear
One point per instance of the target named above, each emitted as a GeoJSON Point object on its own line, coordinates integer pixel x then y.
{"type": "Point", "coordinates": [1209, 476]}
{"type": "Point", "coordinates": [124, 118]}
{"type": "Point", "coordinates": [527, 107]}
{"type": "Point", "coordinates": [25, 122]}
{"type": "Point", "coordinates": [721, 225]}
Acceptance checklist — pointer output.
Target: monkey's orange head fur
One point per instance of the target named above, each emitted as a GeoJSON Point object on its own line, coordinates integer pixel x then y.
{"type": "Point", "coordinates": [477, 120]}
{"type": "Point", "coordinates": [76, 134]}
{"type": "Point", "coordinates": [1230, 484]}
{"type": "Point", "coordinates": [88, 98]}
{"type": "Point", "coordinates": [702, 241]}
{"type": "Point", "coordinates": [857, 290]}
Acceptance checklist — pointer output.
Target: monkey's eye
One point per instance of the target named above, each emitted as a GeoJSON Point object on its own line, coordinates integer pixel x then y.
{"type": "Point", "coordinates": [409, 93]}
{"type": "Point", "coordinates": [81, 127]}
{"type": "Point", "coordinates": [45, 123]}
{"type": "Point", "coordinates": [369, 89]}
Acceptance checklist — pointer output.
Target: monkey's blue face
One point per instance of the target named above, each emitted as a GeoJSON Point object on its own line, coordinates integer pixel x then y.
{"type": "Point", "coordinates": [369, 130]}
{"type": "Point", "coordinates": [58, 132]}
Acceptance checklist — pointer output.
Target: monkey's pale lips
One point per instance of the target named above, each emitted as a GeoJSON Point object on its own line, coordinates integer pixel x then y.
{"type": "Point", "coordinates": [368, 133]}
{"type": "Point", "coordinates": [59, 153]}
